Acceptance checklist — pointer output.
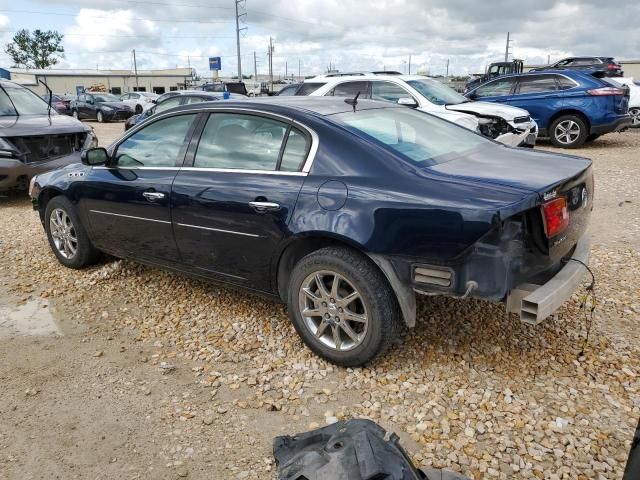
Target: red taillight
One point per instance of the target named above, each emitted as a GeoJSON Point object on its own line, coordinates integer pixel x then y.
{"type": "Point", "coordinates": [555, 215]}
{"type": "Point", "coordinates": [59, 105]}
{"type": "Point", "coordinates": [606, 91]}
{"type": "Point", "coordinates": [613, 66]}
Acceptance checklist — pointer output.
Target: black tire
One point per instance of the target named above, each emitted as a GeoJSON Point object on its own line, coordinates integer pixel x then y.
{"type": "Point", "coordinates": [100, 117]}
{"type": "Point", "coordinates": [138, 109]}
{"type": "Point", "coordinates": [85, 253]}
{"type": "Point", "coordinates": [375, 300]}
{"type": "Point", "coordinates": [576, 124]}
{"type": "Point", "coordinates": [74, 114]}
{"type": "Point", "coordinates": [592, 137]}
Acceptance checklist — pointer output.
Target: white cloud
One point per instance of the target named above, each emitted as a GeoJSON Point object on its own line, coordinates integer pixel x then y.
{"type": "Point", "coordinates": [4, 21]}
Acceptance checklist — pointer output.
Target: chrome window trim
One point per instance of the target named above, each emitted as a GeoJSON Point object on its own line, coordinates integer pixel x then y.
{"type": "Point", "coordinates": [200, 227]}
{"type": "Point", "coordinates": [129, 216]}
{"type": "Point", "coordinates": [306, 168]}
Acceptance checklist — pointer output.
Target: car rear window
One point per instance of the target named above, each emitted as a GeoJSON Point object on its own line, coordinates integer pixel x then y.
{"type": "Point", "coordinates": [419, 137]}
{"type": "Point", "coordinates": [308, 88]}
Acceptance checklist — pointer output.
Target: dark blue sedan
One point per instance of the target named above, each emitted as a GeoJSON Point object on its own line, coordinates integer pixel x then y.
{"type": "Point", "coordinates": [342, 211]}
{"type": "Point", "coordinates": [570, 107]}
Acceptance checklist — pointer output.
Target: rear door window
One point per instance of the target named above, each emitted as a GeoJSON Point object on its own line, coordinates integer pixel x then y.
{"type": "Point", "coordinates": [536, 84]}
{"type": "Point", "coordinates": [295, 151]}
{"type": "Point", "coordinates": [495, 88]}
{"type": "Point", "coordinates": [565, 83]}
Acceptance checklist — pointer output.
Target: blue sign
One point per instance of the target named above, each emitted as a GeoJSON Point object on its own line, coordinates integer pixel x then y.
{"type": "Point", "coordinates": [215, 63]}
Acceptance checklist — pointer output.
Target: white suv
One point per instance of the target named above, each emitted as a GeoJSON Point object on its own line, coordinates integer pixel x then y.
{"type": "Point", "coordinates": [509, 125]}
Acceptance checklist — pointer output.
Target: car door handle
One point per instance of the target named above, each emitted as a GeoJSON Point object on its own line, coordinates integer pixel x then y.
{"type": "Point", "coordinates": [153, 196]}
{"type": "Point", "coordinates": [264, 206]}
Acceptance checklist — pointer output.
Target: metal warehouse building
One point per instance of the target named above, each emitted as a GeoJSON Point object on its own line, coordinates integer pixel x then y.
{"type": "Point", "coordinates": [114, 81]}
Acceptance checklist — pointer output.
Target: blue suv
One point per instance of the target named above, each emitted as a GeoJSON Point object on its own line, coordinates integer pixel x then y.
{"type": "Point", "coordinates": [570, 107]}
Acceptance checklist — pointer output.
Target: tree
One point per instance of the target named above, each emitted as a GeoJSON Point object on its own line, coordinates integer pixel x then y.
{"type": "Point", "coordinates": [40, 50]}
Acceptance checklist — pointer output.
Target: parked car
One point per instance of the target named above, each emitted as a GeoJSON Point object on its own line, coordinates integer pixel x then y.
{"type": "Point", "coordinates": [496, 69]}
{"type": "Point", "coordinates": [598, 66]}
{"type": "Point", "coordinates": [239, 88]}
{"type": "Point", "coordinates": [342, 211]}
{"type": "Point", "coordinates": [634, 98]}
{"type": "Point", "coordinates": [570, 108]}
{"type": "Point", "coordinates": [138, 100]}
{"type": "Point", "coordinates": [103, 107]}
{"type": "Point", "coordinates": [185, 97]}
{"type": "Point", "coordinates": [289, 90]}
{"type": "Point", "coordinates": [508, 125]}
{"type": "Point", "coordinates": [34, 138]}
{"type": "Point", "coordinates": [62, 103]}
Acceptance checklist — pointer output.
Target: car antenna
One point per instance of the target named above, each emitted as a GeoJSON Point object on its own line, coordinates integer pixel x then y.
{"type": "Point", "coordinates": [352, 101]}
{"type": "Point", "coordinates": [50, 95]}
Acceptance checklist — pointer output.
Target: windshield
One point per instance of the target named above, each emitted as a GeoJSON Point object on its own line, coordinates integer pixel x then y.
{"type": "Point", "coordinates": [436, 92]}
{"type": "Point", "coordinates": [419, 137]}
{"type": "Point", "coordinates": [23, 100]}
{"type": "Point", "coordinates": [106, 97]}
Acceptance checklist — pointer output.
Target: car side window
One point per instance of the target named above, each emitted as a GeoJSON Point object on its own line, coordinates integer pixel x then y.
{"type": "Point", "coordinates": [388, 92]}
{"type": "Point", "coordinates": [190, 100]}
{"type": "Point", "coordinates": [350, 89]}
{"type": "Point", "coordinates": [167, 104]}
{"type": "Point", "coordinates": [564, 83]}
{"type": "Point", "coordinates": [156, 145]}
{"type": "Point", "coordinates": [295, 151]}
{"type": "Point", "coordinates": [537, 84]}
{"type": "Point", "coordinates": [496, 88]}
{"type": "Point", "coordinates": [564, 63]}
{"type": "Point", "coordinates": [239, 141]}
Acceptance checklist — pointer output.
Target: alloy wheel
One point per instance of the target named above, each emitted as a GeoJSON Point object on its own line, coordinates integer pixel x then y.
{"type": "Point", "coordinates": [99, 117]}
{"type": "Point", "coordinates": [63, 233]}
{"type": "Point", "coordinates": [333, 310]}
{"type": "Point", "coordinates": [567, 132]}
{"type": "Point", "coordinates": [635, 116]}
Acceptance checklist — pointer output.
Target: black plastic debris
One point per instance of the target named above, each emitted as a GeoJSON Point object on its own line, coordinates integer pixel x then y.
{"type": "Point", "coordinates": [351, 450]}
{"type": "Point", "coordinates": [632, 470]}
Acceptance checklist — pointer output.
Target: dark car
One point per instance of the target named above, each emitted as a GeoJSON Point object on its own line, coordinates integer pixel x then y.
{"type": "Point", "coordinates": [289, 90]}
{"type": "Point", "coordinates": [598, 66]}
{"type": "Point", "coordinates": [34, 138]}
{"type": "Point", "coordinates": [342, 211]}
{"type": "Point", "coordinates": [102, 107]}
{"type": "Point", "coordinates": [239, 88]}
{"type": "Point", "coordinates": [62, 103]}
{"type": "Point", "coordinates": [184, 97]}
{"type": "Point", "coordinates": [570, 108]}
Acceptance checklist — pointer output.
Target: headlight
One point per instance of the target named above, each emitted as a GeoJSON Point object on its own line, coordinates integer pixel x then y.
{"type": "Point", "coordinates": [107, 109]}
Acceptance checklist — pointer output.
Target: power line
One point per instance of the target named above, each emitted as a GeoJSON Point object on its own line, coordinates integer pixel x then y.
{"type": "Point", "coordinates": [108, 17]}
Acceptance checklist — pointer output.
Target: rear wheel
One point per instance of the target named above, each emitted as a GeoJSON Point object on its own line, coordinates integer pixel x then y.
{"type": "Point", "coordinates": [138, 109]}
{"type": "Point", "coordinates": [100, 117]}
{"type": "Point", "coordinates": [568, 131]}
{"type": "Point", "coordinates": [67, 237]}
{"type": "Point", "coordinates": [635, 117]}
{"type": "Point", "coordinates": [75, 114]}
{"type": "Point", "coordinates": [342, 306]}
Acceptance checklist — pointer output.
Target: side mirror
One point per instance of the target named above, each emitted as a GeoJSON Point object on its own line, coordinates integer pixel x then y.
{"type": "Point", "coordinates": [154, 101]}
{"type": "Point", "coordinates": [95, 156]}
{"type": "Point", "coordinates": [90, 101]}
{"type": "Point", "coordinates": [470, 95]}
{"type": "Point", "coordinates": [407, 102]}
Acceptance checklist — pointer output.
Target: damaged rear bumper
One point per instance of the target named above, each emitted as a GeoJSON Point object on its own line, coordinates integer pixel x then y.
{"type": "Point", "coordinates": [534, 303]}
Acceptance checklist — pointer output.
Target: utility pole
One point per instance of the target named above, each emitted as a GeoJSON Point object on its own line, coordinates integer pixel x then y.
{"type": "Point", "coordinates": [447, 76]}
{"type": "Point", "coordinates": [548, 59]}
{"type": "Point", "coordinates": [238, 30]}
{"type": "Point", "coordinates": [409, 64]}
{"type": "Point", "coordinates": [506, 50]}
{"type": "Point", "coordinates": [299, 70]}
{"type": "Point", "coordinates": [270, 54]}
{"type": "Point", "coordinates": [255, 66]}
{"type": "Point", "coordinates": [286, 70]}
{"type": "Point", "coordinates": [135, 67]}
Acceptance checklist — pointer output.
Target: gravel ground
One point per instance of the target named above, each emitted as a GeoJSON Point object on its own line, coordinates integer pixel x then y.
{"type": "Point", "coordinates": [151, 375]}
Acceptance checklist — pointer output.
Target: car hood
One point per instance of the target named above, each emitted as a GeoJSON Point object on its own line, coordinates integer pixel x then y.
{"type": "Point", "coordinates": [27, 125]}
{"type": "Point", "coordinates": [490, 109]}
{"type": "Point", "coordinates": [520, 168]}
{"type": "Point", "coordinates": [119, 105]}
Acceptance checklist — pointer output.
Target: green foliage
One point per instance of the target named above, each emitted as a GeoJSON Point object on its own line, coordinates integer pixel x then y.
{"type": "Point", "coordinates": [38, 50]}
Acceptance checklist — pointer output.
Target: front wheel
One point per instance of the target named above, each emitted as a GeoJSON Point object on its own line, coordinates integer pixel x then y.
{"type": "Point", "coordinates": [138, 109]}
{"type": "Point", "coordinates": [342, 306]}
{"type": "Point", "coordinates": [67, 237]}
{"type": "Point", "coordinates": [100, 117]}
{"type": "Point", "coordinates": [635, 117]}
{"type": "Point", "coordinates": [75, 114]}
{"type": "Point", "coordinates": [568, 131]}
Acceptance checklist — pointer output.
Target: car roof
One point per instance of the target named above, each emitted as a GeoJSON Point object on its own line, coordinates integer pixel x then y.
{"type": "Point", "coordinates": [364, 77]}
{"type": "Point", "coordinates": [321, 106]}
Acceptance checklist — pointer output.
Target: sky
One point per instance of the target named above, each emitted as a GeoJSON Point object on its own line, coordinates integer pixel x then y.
{"type": "Point", "coordinates": [311, 35]}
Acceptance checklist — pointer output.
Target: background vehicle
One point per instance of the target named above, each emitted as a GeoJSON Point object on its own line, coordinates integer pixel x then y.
{"type": "Point", "coordinates": [598, 66]}
{"type": "Point", "coordinates": [634, 98]}
{"type": "Point", "coordinates": [508, 125]}
{"type": "Point", "coordinates": [289, 90]}
{"type": "Point", "coordinates": [102, 107]}
{"type": "Point", "coordinates": [238, 88]}
{"type": "Point", "coordinates": [185, 97]}
{"type": "Point", "coordinates": [569, 107]}
{"type": "Point", "coordinates": [138, 100]}
{"type": "Point", "coordinates": [62, 103]}
{"type": "Point", "coordinates": [342, 214]}
{"type": "Point", "coordinates": [497, 69]}
{"type": "Point", "coordinates": [34, 139]}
